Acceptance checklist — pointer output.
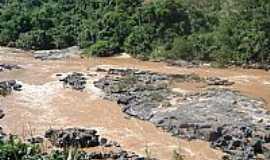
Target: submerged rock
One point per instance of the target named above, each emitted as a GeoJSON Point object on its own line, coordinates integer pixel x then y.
{"type": "Point", "coordinates": [235, 123]}
{"type": "Point", "coordinates": [57, 54]}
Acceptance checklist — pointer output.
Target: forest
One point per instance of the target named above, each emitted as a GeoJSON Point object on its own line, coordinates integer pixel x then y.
{"type": "Point", "coordinates": [223, 31]}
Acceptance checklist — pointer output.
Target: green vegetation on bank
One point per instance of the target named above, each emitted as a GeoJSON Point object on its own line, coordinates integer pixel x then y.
{"type": "Point", "coordinates": [224, 31]}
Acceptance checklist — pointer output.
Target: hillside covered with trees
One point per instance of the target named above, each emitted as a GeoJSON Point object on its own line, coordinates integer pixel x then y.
{"type": "Point", "coordinates": [211, 30]}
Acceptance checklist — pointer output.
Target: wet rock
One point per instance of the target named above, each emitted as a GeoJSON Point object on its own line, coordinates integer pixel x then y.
{"type": "Point", "coordinates": [223, 117]}
{"type": "Point", "coordinates": [82, 138]}
{"type": "Point", "coordinates": [57, 54]}
{"type": "Point", "coordinates": [4, 67]}
{"type": "Point", "coordinates": [6, 87]}
{"type": "Point", "coordinates": [183, 63]}
{"type": "Point", "coordinates": [2, 114]}
{"type": "Point", "coordinates": [218, 81]}
{"type": "Point", "coordinates": [75, 80]}
{"type": "Point", "coordinates": [256, 66]}
{"type": "Point", "coordinates": [75, 137]}
{"type": "Point", "coordinates": [35, 140]}
{"type": "Point", "coordinates": [2, 134]}
{"type": "Point", "coordinates": [112, 155]}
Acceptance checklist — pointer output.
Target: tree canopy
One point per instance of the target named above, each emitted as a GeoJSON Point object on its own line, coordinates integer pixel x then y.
{"type": "Point", "coordinates": [213, 30]}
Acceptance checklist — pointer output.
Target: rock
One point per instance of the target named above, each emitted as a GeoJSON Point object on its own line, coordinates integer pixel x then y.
{"type": "Point", "coordinates": [266, 150]}
{"type": "Point", "coordinates": [223, 117]}
{"type": "Point", "coordinates": [182, 63]}
{"type": "Point", "coordinates": [2, 134]}
{"type": "Point", "coordinates": [218, 81]}
{"type": "Point", "coordinates": [2, 114]}
{"type": "Point", "coordinates": [35, 140]}
{"type": "Point", "coordinates": [6, 87]}
{"type": "Point", "coordinates": [76, 80]}
{"type": "Point", "coordinates": [75, 137]}
{"type": "Point", "coordinates": [57, 54]}
{"type": "Point", "coordinates": [82, 138]}
{"type": "Point", "coordinates": [103, 141]}
{"type": "Point", "coordinates": [5, 67]}
{"type": "Point", "coordinates": [256, 66]}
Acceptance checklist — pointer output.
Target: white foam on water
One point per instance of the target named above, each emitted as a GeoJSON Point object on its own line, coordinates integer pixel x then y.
{"type": "Point", "coordinates": [38, 95]}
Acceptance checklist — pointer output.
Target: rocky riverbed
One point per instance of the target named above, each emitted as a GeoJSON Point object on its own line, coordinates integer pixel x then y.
{"type": "Point", "coordinates": [235, 123]}
{"type": "Point", "coordinates": [87, 138]}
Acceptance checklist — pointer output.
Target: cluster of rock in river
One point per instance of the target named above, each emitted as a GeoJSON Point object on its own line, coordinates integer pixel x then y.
{"type": "Point", "coordinates": [6, 87]}
{"type": "Point", "coordinates": [4, 67]}
{"type": "Point", "coordinates": [86, 138]}
{"type": "Point", "coordinates": [235, 123]}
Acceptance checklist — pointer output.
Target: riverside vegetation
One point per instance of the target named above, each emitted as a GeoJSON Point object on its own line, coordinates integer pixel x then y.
{"type": "Point", "coordinates": [223, 31]}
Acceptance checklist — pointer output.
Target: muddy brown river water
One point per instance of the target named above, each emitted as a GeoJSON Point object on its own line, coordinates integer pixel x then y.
{"type": "Point", "coordinates": [44, 103]}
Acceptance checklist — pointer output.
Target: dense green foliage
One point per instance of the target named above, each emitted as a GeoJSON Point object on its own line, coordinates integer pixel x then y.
{"type": "Point", "coordinates": [14, 149]}
{"type": "Point", "coordinates": [235, 31]}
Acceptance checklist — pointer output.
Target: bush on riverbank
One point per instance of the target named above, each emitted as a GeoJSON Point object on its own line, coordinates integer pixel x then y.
{"type": "Point", "coordinates": [223, 31]}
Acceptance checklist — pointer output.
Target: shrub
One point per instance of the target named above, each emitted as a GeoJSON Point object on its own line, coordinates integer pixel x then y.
{"type": "Point", "coordinates": [37, 39]}
{"type": "Point", "coordinates": [102, 49]}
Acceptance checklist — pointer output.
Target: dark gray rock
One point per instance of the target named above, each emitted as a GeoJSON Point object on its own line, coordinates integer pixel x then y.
{"type": "Point", "coordinates": [76, 137]}
{"type": "Point", "coordinates": [218, 81]}
{"type": "Point", "coordinates": [35, 140]}
{"type": "Point", "coordinates": [223, 117]}
{"type": "Point", "coordinates": [76, 80]}
{"type": "Point", "coordinates": [8, 67]}
{"type": "Point", "coordinates": [6, 87]}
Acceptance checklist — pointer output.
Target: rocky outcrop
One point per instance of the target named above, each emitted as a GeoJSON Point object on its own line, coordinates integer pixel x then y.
{"type": "Point", "coordinates": [85, 138]}
{"type": "Point", "coordinates": [73, 137]}
{"type": "Point", "coordinates": [75, 80]}
{"type": "Point", "coordinates": [235, 123]}
{"type": "Point", "coordinates": [5, 67]}
{"type": "Point", "coordinates": [6, 87]}
{"type": "Point", "coordinates": [57, 54]}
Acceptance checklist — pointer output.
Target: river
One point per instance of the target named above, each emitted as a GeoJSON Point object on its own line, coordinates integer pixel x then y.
{"type": "Point", "coordinates": [44, 103]}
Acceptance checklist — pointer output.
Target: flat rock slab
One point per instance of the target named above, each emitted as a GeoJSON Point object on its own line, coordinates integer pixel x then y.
{"type": "Point", "coordinates": [8, 67]}
{"type": "Point", "coordinates": [235, 123]}
{"type": "Point", "coordinates": [57, 54]}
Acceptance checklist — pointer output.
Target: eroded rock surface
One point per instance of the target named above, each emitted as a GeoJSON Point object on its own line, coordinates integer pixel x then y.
{"type": "Point", "coordinates": [235, 123]}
